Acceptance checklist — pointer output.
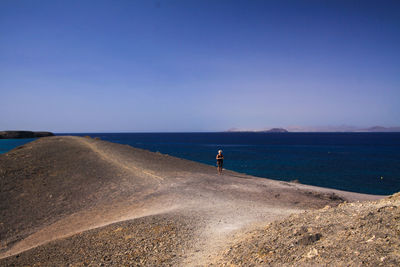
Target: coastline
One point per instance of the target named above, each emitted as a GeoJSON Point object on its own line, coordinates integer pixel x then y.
{"type": "Point", "coordinates": [350, 162]}
{"type": "Point", "coordinates": [79, 186]}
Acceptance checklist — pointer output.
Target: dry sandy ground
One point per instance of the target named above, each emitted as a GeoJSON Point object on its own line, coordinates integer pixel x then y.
{"type": "Point", "coordinates": [79, 201]}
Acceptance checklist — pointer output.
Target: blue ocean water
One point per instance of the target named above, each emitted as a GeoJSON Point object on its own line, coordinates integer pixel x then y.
{"type": "Point", "coordinates": [358, 162]}
{"type": "Point", "coordinates": [8, 144]}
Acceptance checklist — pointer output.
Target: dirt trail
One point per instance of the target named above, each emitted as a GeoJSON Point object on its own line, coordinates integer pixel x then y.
{"type": "Point", "coordinates": [118, 161]}
{"type": "Point", "coordinates": [143, 183]}
{"type": "Point", "coordinates": [227, 222]}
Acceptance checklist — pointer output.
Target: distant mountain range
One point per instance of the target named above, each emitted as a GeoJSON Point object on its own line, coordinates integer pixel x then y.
{"type": "Point", "coordinates": [344, 128]}
{"type": "Point", "coordinates": [381, 129]}
{"type": "Point", "coordinates": [341, 129]}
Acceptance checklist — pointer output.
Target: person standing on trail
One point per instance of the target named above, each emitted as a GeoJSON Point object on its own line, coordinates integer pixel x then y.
{"type": "Point", "coordinates": [220, 161]}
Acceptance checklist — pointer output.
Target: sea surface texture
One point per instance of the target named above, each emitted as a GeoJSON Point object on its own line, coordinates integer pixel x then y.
{"type": "Point", "coordinates": [8, 144]}
{"type": "Point", "coordinates": [357, 162]}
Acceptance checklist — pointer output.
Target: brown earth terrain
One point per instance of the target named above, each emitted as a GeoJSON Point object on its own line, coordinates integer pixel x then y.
{"type": "Point", "coordinates": [79, 201]}
{"type": "Point", "coordinates": [352, 234]}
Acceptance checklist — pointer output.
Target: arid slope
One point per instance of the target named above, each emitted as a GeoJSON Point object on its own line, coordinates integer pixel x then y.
{"type": "Point", "coordinates": [73, 200]}
{"type": "Point", "coordinates": [351, 234]}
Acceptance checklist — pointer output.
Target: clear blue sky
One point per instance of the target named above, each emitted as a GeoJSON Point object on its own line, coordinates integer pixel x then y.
{"type": "Point", "coordinates": [78, 66]}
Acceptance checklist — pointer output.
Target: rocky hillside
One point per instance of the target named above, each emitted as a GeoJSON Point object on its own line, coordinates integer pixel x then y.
{"type": "Point", "coordinates": [351, 234]}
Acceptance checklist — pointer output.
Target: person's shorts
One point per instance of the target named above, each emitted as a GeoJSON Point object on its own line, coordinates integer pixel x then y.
{"type": "Point", "coordinates": [220, 163]}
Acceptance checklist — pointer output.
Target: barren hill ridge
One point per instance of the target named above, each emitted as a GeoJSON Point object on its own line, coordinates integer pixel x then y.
{"type": "Point", "coordinates": [74, 200]}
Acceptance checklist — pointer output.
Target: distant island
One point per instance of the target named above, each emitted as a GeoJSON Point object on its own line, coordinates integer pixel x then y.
{"type": "Point", "coordinates": [380, 129]}
{"type": "Point", "coordinates": [322, 129]}
{"type": "Point", "coordinates": [344, 129]}
{"type": "Point", "coordinates": [23, 134]}
{"type": "Point", "coordinates": [272, 130]}
{"type": "Point", "coordinates": [276, 130]}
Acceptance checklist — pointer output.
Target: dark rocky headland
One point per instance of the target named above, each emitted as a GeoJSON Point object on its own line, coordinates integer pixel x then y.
{"type": "Point", "coordinates": [23, 134]}
{"type": "Point", "coordinates": [74, 201]}
{"type": "Point", "coordinates": [276, 130]}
